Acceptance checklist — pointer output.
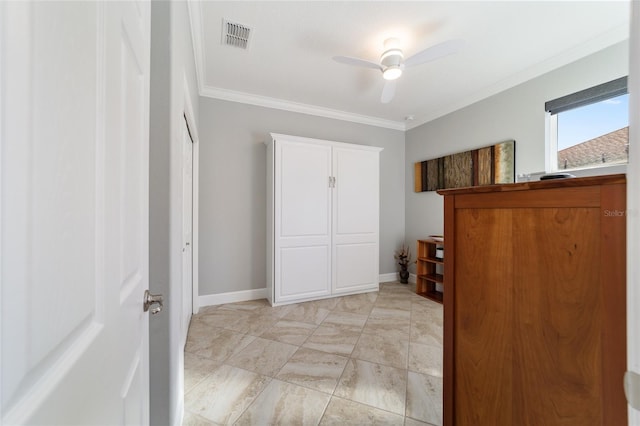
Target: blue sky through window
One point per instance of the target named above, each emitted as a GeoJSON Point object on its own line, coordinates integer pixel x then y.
{"type": "Point", "coordinates": [582, 124]}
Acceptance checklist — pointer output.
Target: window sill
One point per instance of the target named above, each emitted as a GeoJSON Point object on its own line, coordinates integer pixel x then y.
{"type": "Point", "coordinates": [611, 169]}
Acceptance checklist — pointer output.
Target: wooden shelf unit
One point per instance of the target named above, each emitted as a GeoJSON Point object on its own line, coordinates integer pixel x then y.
{"type": "Point", "coordinates": [429, 269]}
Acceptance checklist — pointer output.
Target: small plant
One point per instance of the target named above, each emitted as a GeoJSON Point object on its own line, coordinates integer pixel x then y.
{"type": "Point", "coordinates": [403, 256]}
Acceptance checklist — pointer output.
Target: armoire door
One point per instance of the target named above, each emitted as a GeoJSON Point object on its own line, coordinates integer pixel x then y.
{"type": "Point", "coordinates": [355, 219]}
{"type": "Point", "coordinates": [302, 228]}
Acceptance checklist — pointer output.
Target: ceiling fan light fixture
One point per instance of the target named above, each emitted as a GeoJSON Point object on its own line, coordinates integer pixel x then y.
{"type": "Point", "coordinates": [392, 72]}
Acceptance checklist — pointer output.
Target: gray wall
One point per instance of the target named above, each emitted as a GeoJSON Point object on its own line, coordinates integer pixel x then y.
{"type": "Point", "coordinates": [232, 210]}
{"type": "Point", "coordinates": [171, 61]}
{"type": "Point", "coordinates": [517, 113]}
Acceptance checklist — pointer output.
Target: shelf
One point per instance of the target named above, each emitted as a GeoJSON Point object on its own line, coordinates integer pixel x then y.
{"type": "Point", "coordinates": [437, 260]}
{"type": "Point", "coordinates": [429, 269]}
{"type": "Point", "coordinates": [436, 296]}
{"type": "Point", "coordinates": [436, 278]}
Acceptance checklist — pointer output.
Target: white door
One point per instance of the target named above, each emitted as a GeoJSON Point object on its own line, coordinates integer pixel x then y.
{"type": "Point", "coordinates": [302, 221]}
{"type": "Point", "coordinates": [187, 230]}
{"type": "Point", "coordinates": [355, 219]}
{"type": "Point", "coordinates": [74, 202]}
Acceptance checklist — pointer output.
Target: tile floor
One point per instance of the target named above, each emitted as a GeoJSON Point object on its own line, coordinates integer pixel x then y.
{"type": "Point", "coordinates": [373, 358]}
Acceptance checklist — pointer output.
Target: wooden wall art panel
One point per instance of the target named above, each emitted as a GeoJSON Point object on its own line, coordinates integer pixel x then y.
{"type": "Point", "coordinates": [484, 166]}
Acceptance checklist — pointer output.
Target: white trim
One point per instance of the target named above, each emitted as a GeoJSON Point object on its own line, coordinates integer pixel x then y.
{"type": "Point", "coordinates": [195, 276]}
{"type": "Point", "coordinates": [321, 142]}
{"type": "Point", "coordinates": [268, 102]}
{"type": "Point", "coordinates": [413, 279]}
{"type": "Point", "coordinates": [232, 297]}
{"type": "Point", "coordinates": [387, 278]}
{"type": "Point", "coordinates": [618, 34]}
{"type": "Point", "coordinates": [178, 418]}
{"type": "Point", "coordinates": [195, 201]}
{"type": "Point", "coordinates": [551, 147]}
{"type": "Point", "coordinates": [195, 19]}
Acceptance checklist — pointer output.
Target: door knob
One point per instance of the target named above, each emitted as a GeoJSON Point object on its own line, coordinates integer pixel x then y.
{"type": "Point", "coordinates": [153, 299]}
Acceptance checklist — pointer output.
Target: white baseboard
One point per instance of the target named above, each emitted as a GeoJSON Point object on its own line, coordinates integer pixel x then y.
{"type": "Point", "coordinates": [385, 278]}
{"type": "Point", "coordinates": [261, 293]}
{"type": "Point", "coordinates": [412, 278]}
{"type": "Point", "coordinates": [232, 297]}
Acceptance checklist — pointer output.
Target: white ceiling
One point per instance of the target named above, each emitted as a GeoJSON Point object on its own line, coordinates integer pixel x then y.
{"type": "Point", "coordinates": [289, 65]}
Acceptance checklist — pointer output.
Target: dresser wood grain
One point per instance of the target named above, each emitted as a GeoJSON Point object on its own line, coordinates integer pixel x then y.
{"type": "Point", "coordinates": [535, 303]}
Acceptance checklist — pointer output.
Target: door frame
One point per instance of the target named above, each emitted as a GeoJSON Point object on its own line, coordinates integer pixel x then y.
{"type": "Point", "coordinates": [189, 116]}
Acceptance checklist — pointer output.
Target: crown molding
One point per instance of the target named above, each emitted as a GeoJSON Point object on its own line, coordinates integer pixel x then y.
{"type": "Point", "coordinates": [264, 101]}
{"type": "Point", "coordinates": [603, 41]}
{"type": "Point", "coordinates": [195, 17]}
{"type": "Point", "coordinates": [617, 35]}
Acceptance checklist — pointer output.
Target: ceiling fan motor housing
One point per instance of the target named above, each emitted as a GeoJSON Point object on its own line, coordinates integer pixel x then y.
{"type": "Point", "coordinates": [391, 57]}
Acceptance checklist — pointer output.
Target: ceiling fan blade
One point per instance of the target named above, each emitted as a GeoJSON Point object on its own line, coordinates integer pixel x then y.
{"type": "Point", "coordinates": [388, 91]}
{"type": "Point", "coordinates": [434, 52]}
{"type": "Point", "coordinates": [357, 62]}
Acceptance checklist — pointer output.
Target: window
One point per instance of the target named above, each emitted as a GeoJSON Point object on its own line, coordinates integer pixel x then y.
{"type": "Point", "coordinates": [590, 128]}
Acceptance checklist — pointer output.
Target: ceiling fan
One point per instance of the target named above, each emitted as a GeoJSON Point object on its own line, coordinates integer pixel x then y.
{"type": "Point", "coordinates": [392, 62]}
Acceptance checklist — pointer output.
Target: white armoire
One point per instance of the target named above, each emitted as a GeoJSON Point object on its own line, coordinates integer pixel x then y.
{"type": "Point", "coordinates": [322, 218]}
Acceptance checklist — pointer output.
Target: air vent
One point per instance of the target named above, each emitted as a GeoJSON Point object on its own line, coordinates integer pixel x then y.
{"type": "Point", "coordinates": [234, 34]}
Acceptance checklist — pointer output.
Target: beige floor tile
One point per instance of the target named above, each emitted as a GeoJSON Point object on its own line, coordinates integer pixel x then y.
{"type": "Point", "coordinates": [307, 312]}
{"type": "Point", "coordinates": [258, 307]}
{"type": "Point", "coordinates": [329, 303]}
{"type": "Point", "coordinates": [215, 343]}
{"type": "Point", "coordinates": [357, 303]}
{"type": "Point", "coordinates": [426, 333]}
{"type": "Point", "coordinates": [219, 345]}
{"type": "Point", "coordinates": [191, 419]}
{"type": "Point", "coordinates": [427, 310]}
{"type": "Point", "coordinates": [207, 310]}
{"type": "Point", "coordinates": [223, 395]}
{"type": "Point", "coordinates": [222, 318]}
{"type": "Point", "coordinates": [263, 356]}
{"type": "Point", "coordinates": [346, 320]}
{"type": "Point", "coordinates": [396, 287]}
{"type": "Point", "coordinates": [396, 328]}
{"type": "Point", "coordinates": [243, 361]}
{"type": "Point", "coordinates": [196, 368]}
{"type": "Point", "coordinates": [384, 313]}
{"type": "Point", "coordinates": [200, 334]}
{"type": "Point", "coordinates": [382, 349]}
{"type": "Point", "coordinates": [342, 412]}
{"type": "Point", "coordinates": [291, 332]}
{"type": "Point", "coordinates": [313, 369]}
{"type": "Point", "coordinates": [424, 398]}
{"type": "Point", "coordinates": [254, 306]}
{"type": "Point", "coordinates": [332, 340]}
{"type": "Point", "coordinates": [389, 322]}
{"type": "Point", "coordinates": [425, 359]}
{"type": "Point", "coordinates": [395, 302]}
{"type": "Point", "coordinates": [285, 404]}
{"type": "Point", "coordinates": [372, 384]}
{"type": "Point", "coordinates": [408, 421]}
{"type": "Point", "coordinates": [260, 323]}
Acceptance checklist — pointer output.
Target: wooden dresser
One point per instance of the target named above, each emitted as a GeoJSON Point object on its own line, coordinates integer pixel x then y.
{"type": "Point", "coordinates": [534, 307]}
